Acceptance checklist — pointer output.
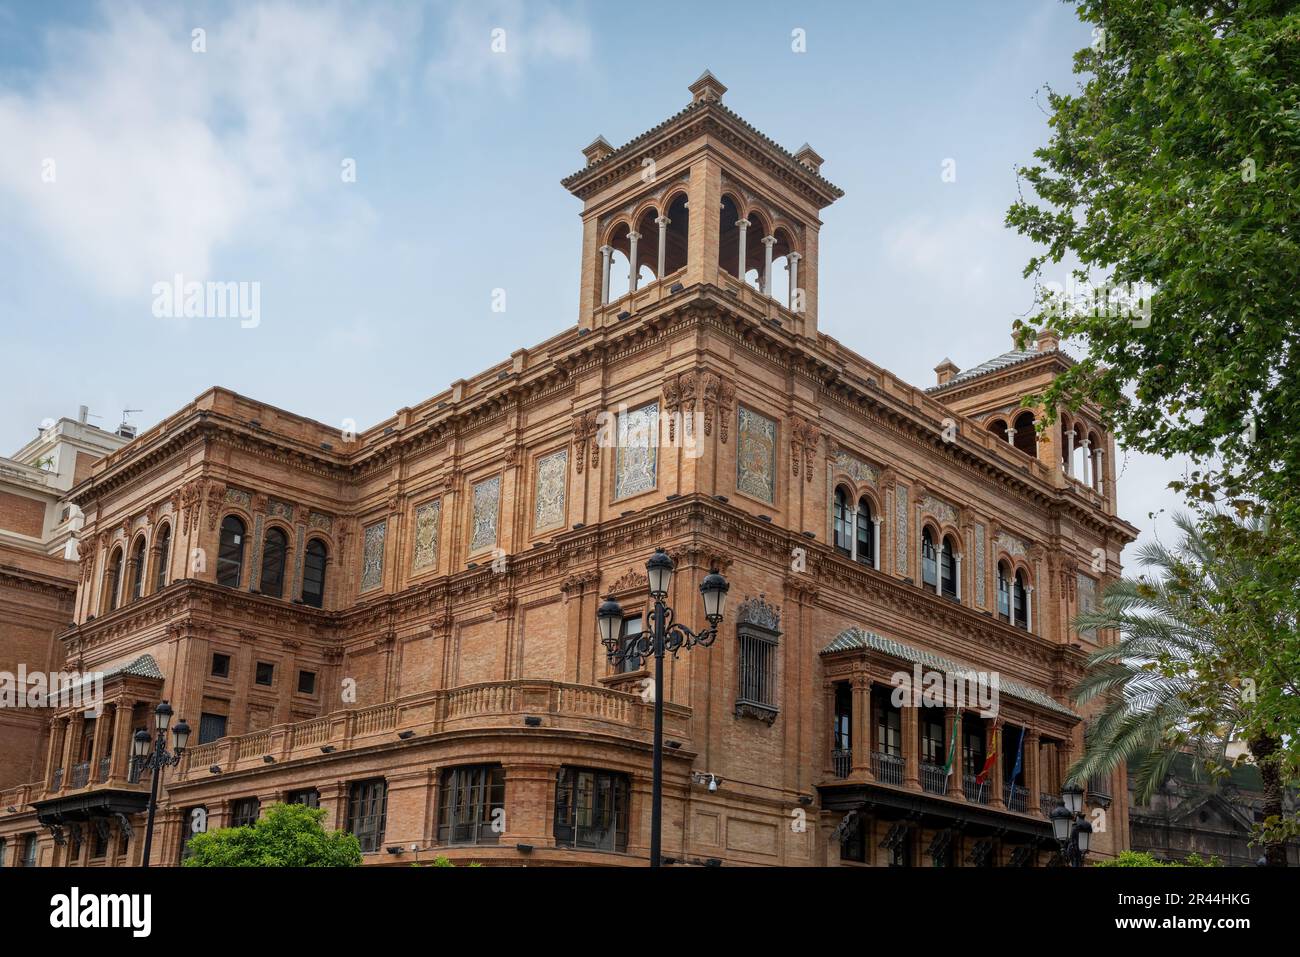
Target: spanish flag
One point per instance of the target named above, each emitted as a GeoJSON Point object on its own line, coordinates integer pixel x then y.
{"type": "Point", "coordinates": [991, 761]}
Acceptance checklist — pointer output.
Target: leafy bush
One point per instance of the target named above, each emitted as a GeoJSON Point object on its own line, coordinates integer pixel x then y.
{"type": "Point", "coordinates": [1143, 859]}
{"type": "Point", "coordinates": [288, 835]}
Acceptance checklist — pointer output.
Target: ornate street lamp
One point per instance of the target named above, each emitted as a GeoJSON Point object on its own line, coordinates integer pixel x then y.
{"type": "Point", "coordinates": [661, 634]}
{"type": "Point", "coordinates": [1070, 828]}
{"type": "Point", "coordinates": [152, 753]}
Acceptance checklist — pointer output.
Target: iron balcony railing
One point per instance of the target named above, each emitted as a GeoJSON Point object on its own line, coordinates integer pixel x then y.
{"type": "Point", "coordinates": [1016, 797]}
{"type": "Point", "coordinates": [103, 769]}
{"type": "Point", "coordinates": [56, 779]}
{"type": "Point", "coordinates": [934, 778]}
{"type": "Point", "coordinates": [975, 793]}
{"type": "Point", "coordinates": [888, 768]}
{"type": "Point", "coordinates": [80, 775]}
{"type": "Point", "coordinates": [842, 762]}
{"type": "Point", "coordinates": [1047, 803]}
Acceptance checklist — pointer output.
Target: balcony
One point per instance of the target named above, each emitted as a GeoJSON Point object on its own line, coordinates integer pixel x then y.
{"type": "Point", "coordinates": [934, 778]}
{"type": "Point", "coordinates": [1047, 803]}
{"type": "Point", "coordinates": [497, 705]}
{"type": "Point", "coordinates": [1016, 797]}
{"type": "Point", "coordinates": [56, 779]}
{"type": "Point", "coordinates": [976, 793]}
{"type": "Point", "coordinates": [104, 764]}
{"type": "Point", "coordinates": [888, 768]}
{"type": "Point", "coordinates": [842, 762]}
{"type": "Point", "coordinates": [80, 775]}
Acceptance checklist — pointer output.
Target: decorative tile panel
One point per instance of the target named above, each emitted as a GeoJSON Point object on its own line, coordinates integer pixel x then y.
{"type": "Point", "coordinates": [426, 535]}
{"type": "Point", "coordinates": [900, 530]}
{"type": "Point", "coordinates": [487, 503]}
{"type": "Point", "coordinates": [856, 469]}
{"type": "Point", "coordinates": [755, 454]}
{"type": "Point", "coordinates": [281, 509]}
{"type": "Point", "coordinates": [549, 490]}
{"type": "Point", "coordinates": [1011, 545]}
{"type": "Point", "coordinates": [638, 448]}
{"type": "Point", "coordinates": [372, 556]}
{"type": "Point", "coordinates": [1087, 600]}
{"type": "Point", "coordinates": [320, 520]}
{"type": "Point", "coordinates": [939, 509]}
{"type": "Point", "coordinates": [237, 496]}
{"type": "Point", "coordinates": [981, 549]}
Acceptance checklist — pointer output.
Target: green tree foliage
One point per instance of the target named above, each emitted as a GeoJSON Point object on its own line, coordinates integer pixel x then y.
{"type": "Point", "coordinates": [1143, 859]}
{"type": "Point", "coordinates": [288, 835]}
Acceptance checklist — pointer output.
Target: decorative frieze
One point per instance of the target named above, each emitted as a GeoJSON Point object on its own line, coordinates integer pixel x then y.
{"type": "Point", "coordinates": [981, 554]}
{"type": "Point", "coordinates": [940, 509]}
{"type": "Point", "coordinates": [320, 520]}
{"type": "Point", "coordinates": [427, 518]}
{"type": "Point", "coordinates": [804, 436]}
{"type": "Point", "coordinates": [486, 508]}
{"type": "Point", "coordinates": [1012, 545]}
{"type": "Point", "coordinates": [900, 529]}
{"type": "Point", "coordinates": [372, 555]}
{"type": "Point", "coordinates": [549, 490]}
{"type": "Point", "coordinates": [849, 464]}
{"type": "Point", "coordinates": [755, 454]}
{"type": "Point", "coordinates": [637, 455]}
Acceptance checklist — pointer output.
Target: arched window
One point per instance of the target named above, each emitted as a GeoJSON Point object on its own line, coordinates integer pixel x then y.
{"type": "Point", "coordinates": [313, 574]}
{"type": "Point", "coordinates": [929, 562]}
{"type": "Point", "coordinates": [866, 542]}
{"type": "Point", "coordinates": [843, 523]}
{"type": "Point", "coordinates": [113, 578]}
{"type": "Point", "coordinates": [164, 554]}
{"type": "Point", "coordinates": [999, 428]}
{"type": "Point", "coordinates": [1020, 599]}
{"type": "Point", "coordinates": [1026, 438]}
{"type": "Point", "coordinates": [1004, 592]}
{"type": "Point", "coordinates": [275, 549]}
{"type": "Point", "coordinates": [230, 553]}
{"type": "Point", "coordinates": [949, 570]}
{"type": "Point", "coordinates": [137, 569]}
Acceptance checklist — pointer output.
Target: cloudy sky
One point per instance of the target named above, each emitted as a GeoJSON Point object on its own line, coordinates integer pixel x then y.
{"type": "Point", "coordinates": [141, 141]}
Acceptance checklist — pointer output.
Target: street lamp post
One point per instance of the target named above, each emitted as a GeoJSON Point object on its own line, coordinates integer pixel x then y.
{"type": "Point", "coordinates": [1070, 828]}
{"type": "Point", "coordinates": [153, 754]}
{"type": "Point", "coordinates": [661, 634]}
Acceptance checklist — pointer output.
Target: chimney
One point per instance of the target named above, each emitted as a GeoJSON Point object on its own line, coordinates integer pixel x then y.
{"type": "Point", "coordinates": [807, 156]}
{"type": "Point", "coordinates": [707, 87]}
{"type": "Point", "coordinates": [945, 370]}
{"type": "Point", "coordinates": [597, 151]}
{"type": "Point", "coordinates": [1048, 340]}
{"type": "Point", "coordinates": [83, 413]}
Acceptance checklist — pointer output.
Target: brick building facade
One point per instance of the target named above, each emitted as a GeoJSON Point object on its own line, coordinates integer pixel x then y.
{"type": "Point", "coordinates": [400, 625]}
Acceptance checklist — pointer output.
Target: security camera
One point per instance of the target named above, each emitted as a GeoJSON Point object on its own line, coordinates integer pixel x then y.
{"type": "Point", "coordinates": [713, 782]}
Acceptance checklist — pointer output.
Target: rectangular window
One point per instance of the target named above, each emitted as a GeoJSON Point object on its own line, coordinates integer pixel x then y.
{"type": "Point", "coordinates": [889, 733]}
{"type": "Point", "coordinates": [972, 753]}
{"type": "Point", "coordinates": [98, 842]}
{"type": "Point", "coordinates": [367, 808]}
{"type": "Point", "coordinates": [631, 626]}
{"type": "Point", "coordinates": [244, 812]}
{"type": "Point", "coordinates": [211, 727]}
{"type": "Point", "coordinates": [265, 673]}
{"type": "Point", "coordinates": [932, 740]}
{"type": "Point", "coordinates": [308, 797]}
{"type": "Point", "coordinates": [306, 682]}
{"type": "Point", "coordinates": [29, 851]}
{"type": "Point", "coordinates": [220, 665]}
{"type": "Point", "coordinates": [591, 809]}
{"type": "Point", "coordinates": [471, 805]}
{"type": "Point", "coordinates": [194, 820]}
{"type": "Point", "coordinates": [854, 845]}
{"type": "Point", "coordinates": [4, 852]}
{"type": "Point", "coordinates": [757, 669]}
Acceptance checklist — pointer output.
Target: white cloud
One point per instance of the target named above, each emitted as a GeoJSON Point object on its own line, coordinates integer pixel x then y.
{"type": "Point", "coordinates": [161, 154]}
{"type": "Point", "coordinates": [501, 39]}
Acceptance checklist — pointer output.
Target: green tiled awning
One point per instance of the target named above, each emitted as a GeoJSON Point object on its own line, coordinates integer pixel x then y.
{"type": "Point", "coordinates": [852, 639]}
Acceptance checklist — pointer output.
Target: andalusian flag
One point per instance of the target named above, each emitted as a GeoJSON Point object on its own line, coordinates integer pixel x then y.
{"type": "Point", "coordinates": [952, 746]}
{"type": "Point", "coordinates": [992, 759]}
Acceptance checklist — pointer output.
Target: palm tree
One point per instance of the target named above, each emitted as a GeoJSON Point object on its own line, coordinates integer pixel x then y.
{"type": "Point", "coordinates": [1166, 681]}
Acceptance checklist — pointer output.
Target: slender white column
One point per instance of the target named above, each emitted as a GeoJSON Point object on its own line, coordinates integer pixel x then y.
{"type": "Point", "coordinates": [1087, 462]}
{"type": "Point", "coordinates": [1011, 436]}
{"type": "Point", "coordinates": [1101, 470]}
{"type": "Point", "coordinates": [853, 534]}
{"type": "Point", "coordinates": [875, 544]}
{"type": "Point", "coordinates": [662, 222]}
{"type": "Point", "coordinates": [958, 564]}
{"type": "Point", "coordinates": [631, 263]}
{"type": "Point", "coordinates": [605, 253]}
{"type": "Point", "coordinates": [1029, 607]}
{"type": "Point", "coordinates": [768, 242]}
{"type": "Point", "coordinates": [743, 226]}
{"type": "Point", "coordinates": [793, 267]}
{"type": "Point", "coordinates": [1069, 452]}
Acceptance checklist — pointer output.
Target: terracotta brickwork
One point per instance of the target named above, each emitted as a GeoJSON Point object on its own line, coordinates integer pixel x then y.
{"type": "Point", "coordinates": [470, 538]}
